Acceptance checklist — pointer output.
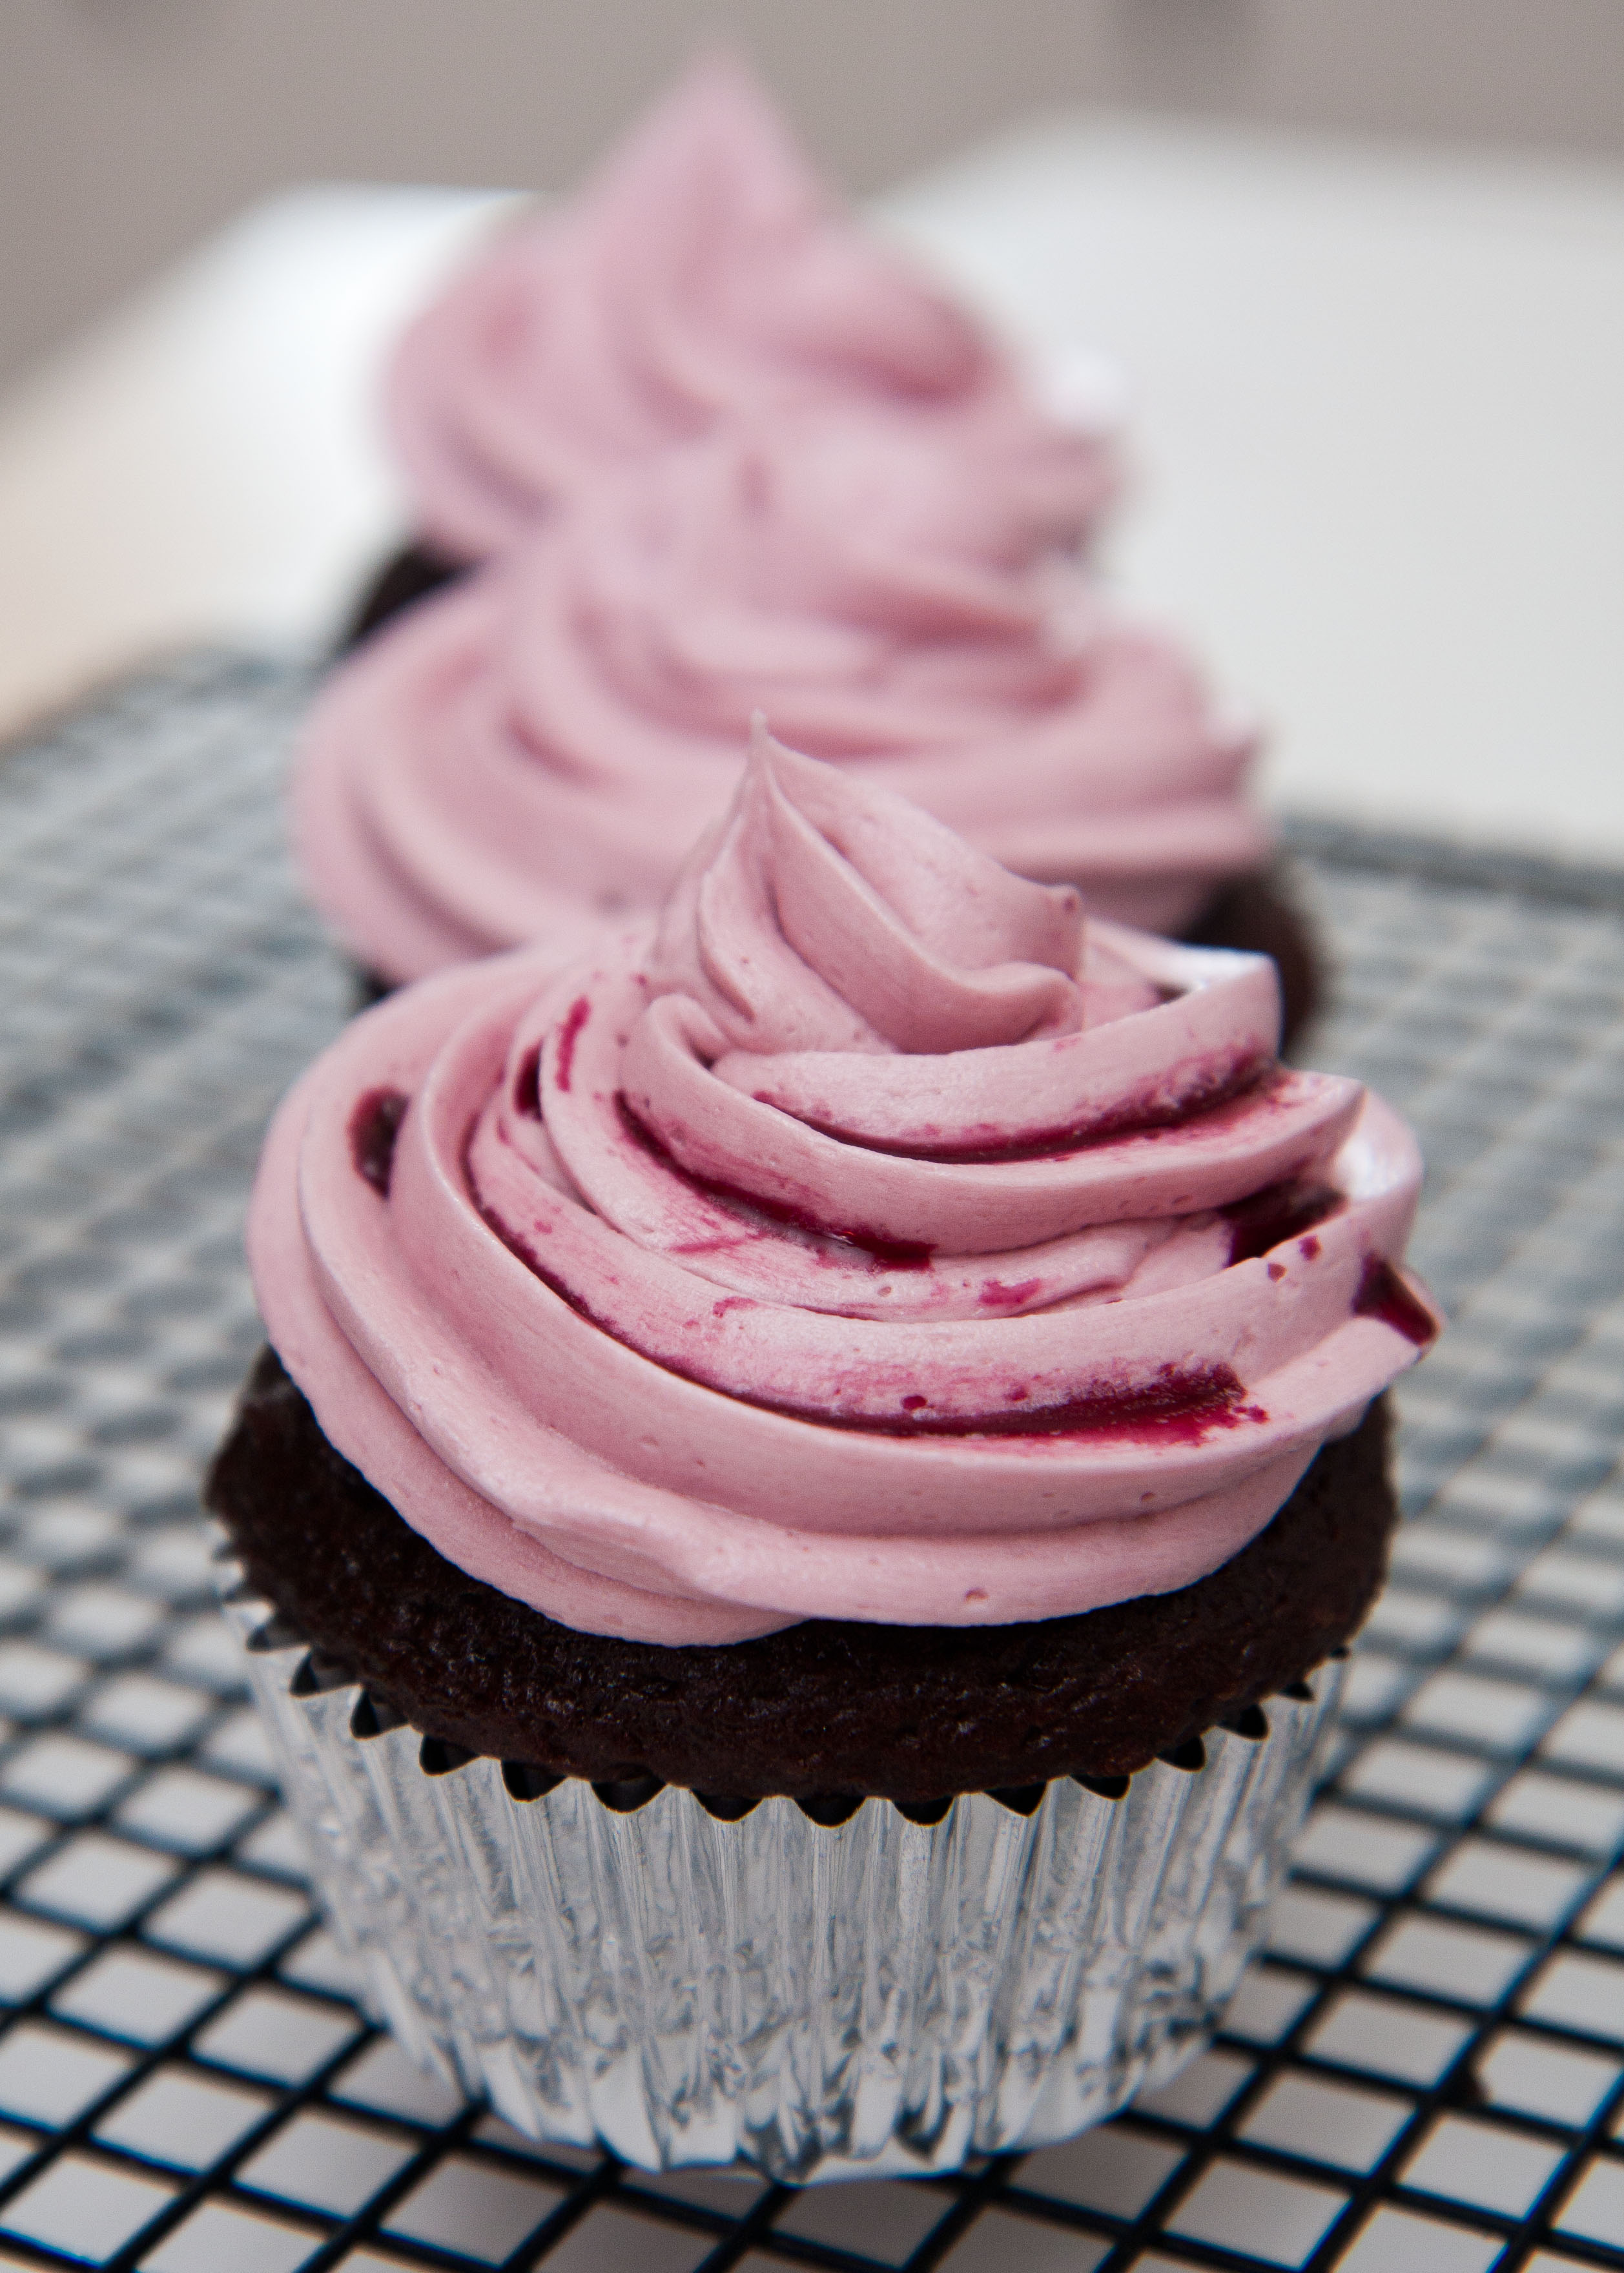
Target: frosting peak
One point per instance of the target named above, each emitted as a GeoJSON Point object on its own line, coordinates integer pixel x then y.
{"type": "Point", "coordinates": [704, 271]}
{"type": "Point", "coordinates": [826, 915]}
{"type": "Point", "coordinates": [870, 1242]}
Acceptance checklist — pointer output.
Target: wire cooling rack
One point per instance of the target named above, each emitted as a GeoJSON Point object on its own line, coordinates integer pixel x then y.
{"type": "Point", "coordinates": [1426, 2075]}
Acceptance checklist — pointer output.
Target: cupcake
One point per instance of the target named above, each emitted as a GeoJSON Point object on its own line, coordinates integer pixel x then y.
{"type": "Point", "coordinates": [808, 1462]}
{"type": "Point", "coordinates": [531, 753]}
{"type": "Point", "coordinates": [705, 272]}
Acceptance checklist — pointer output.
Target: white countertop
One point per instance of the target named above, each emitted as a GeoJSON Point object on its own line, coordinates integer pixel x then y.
{"type": "Point", "coordinates": [1378, 404]}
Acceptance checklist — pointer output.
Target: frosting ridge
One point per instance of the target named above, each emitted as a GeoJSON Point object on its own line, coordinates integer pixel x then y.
{"type": "Point", "coordinates": [868, 1238]}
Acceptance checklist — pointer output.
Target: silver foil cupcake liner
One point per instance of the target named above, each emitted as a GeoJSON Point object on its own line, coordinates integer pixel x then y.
{"type": "Point", "coordinates": [876, 1998]}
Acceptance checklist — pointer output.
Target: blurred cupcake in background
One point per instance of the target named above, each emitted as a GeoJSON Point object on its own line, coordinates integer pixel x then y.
{"type": "Point", "coordinates": [527, 755]}
{"type": "Point", "coordinates": [705, 272]}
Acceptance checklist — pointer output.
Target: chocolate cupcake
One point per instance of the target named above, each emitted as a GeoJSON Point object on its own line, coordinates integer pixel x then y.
{"type": "Point", "coordinates": [526, 756]}
{"type": "Point", "coordinates": [808, 1462]}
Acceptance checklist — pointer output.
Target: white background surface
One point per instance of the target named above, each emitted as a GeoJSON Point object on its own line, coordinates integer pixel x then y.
{"type": "Point", "coordinates": [1376, 406]}
{"type": "Point", "coordinates": [1380, 420]}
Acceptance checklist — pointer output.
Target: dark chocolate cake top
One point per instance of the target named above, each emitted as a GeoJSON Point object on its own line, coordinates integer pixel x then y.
{"type": "Point", "coordinates": [829, 1707]}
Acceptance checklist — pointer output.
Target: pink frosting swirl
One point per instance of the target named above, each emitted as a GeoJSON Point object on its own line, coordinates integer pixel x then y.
{"type": "Point", "coordinates": [863, 1241]}
{"type": "Point", "coordinates": [704, 272]}
{"type": "Point", "coordinates": [534, 750]}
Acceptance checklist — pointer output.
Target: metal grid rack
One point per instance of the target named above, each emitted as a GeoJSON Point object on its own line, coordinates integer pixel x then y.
{"type": "Point", "coordinates": [1426, 2075]}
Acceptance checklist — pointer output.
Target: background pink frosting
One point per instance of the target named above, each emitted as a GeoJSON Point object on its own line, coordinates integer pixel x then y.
{"type": "Point", "coordinates": [866, 1240]}
{"type": "Point", "coordinates": [704, 271]}
{"type": "Point", "coordinates": [532, 751]}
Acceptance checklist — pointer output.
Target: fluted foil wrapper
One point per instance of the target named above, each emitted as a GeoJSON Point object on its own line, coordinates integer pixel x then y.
{"type": "Point", "coordinates": [879, 2000]}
